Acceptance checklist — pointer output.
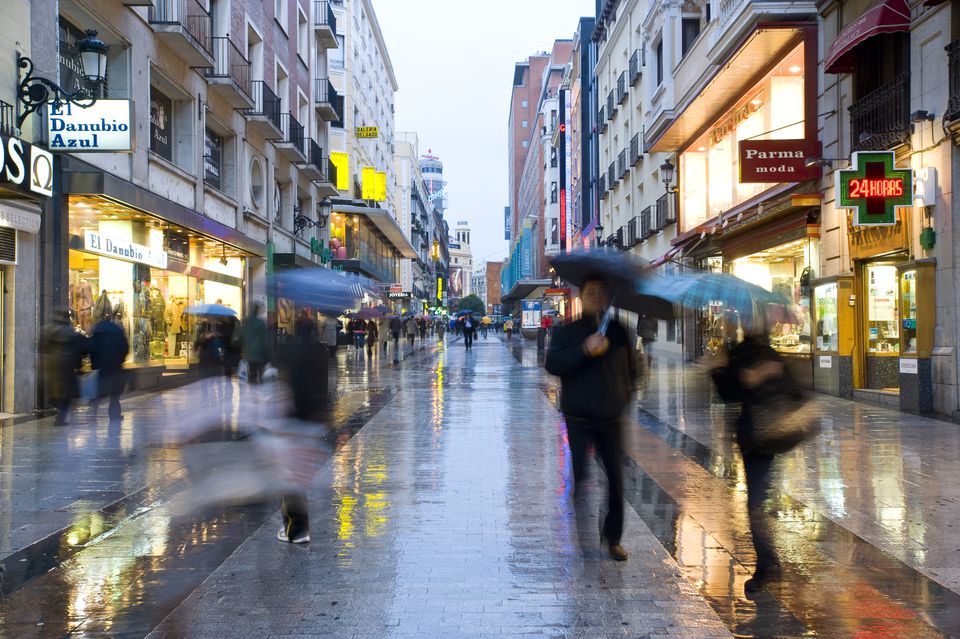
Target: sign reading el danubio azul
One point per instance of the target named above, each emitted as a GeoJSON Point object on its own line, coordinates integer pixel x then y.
{"type": "Point", "coordinates": [25, 167]}
{"type": "Point", "coordinates": [874, 188]}
{"type": "Point", "coordinates": [103, 126]}
{"type": "Point", "coordinates": [123, 250]}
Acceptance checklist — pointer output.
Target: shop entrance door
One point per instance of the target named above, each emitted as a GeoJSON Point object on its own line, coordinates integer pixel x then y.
{"type": "Point", "coordinates": [878, 319]}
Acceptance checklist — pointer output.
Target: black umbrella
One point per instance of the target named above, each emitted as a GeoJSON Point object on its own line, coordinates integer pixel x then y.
{"type": "Point", "coordinates": [620, 271]}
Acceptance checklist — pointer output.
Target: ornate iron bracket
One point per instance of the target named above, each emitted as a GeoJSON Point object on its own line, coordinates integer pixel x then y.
{"type": "Point", "coordinates": [34, 92]}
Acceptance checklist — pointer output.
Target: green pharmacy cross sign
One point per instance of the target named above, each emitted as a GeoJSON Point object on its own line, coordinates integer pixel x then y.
{"type": "Point", "coordinates": [874, 188]}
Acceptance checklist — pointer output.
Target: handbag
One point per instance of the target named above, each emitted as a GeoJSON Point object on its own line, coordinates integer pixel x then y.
{"type": "Point", "coordinates": [781, 423]}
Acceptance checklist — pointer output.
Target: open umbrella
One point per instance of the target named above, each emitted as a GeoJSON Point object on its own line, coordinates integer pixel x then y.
{"type": "Point", "coordinates": [367, 313]}
{"type": "Point", "coordinates": [210, 309]}
{"type": "Point", "coordinates": [330, 292]}
{"type": "Point", "coordinates": [621, 271]}
{"type": "Point", "coordinates": [700, 289]}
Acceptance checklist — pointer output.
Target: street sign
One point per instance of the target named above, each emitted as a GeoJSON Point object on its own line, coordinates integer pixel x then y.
{"type": "Point", "coordinates": [367, 132]}
{"type": "Point", "coordinates": [874, 188]}
{"type": "Point", "coordinates": [531, 314]}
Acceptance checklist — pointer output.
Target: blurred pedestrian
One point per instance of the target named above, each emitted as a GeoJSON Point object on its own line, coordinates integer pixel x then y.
{"type": "Point", "coordinates": [108, 350]}
{"type": "Point", "coordinates": [468, 328]}
{"type": "Point", "coordinates": [597, 376]}
{"type": "Point", "coordinates": [62, 355]}
{"type": "Point", "coordinates": [422, 327]}
{"type": "Point", "coordinates": [373, 335]}
{"type": "Point", "coordinates": [229, 329]}
{"type": "Point", "coordinates": [508, 327]}
{"type": "Point", "coordinates": [305, 328]}
{"type": "Point", "coordinates": [209, 347]}
{"type": "Point", "coordinates": [396, 326]}
{"type": "Point", "coordinates": [358, 329]}
{"type": "Point", "coordinates": [441, 327]}
{"type": "Point", "coordinates": [754, 374]}
{"type": "Point", "coordinates": [647, 328]}
{"type": "Point", "coordinates": [410, 326]}
{"type": "Point", "coordinates": [254, 344]}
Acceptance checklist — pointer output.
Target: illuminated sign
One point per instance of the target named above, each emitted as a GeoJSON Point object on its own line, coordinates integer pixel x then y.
{"type": "Point", "coordinates": [367, 132]}
{"type": "Point", "coordinates": [25, 167]}
{"type": "Point", "coordinates": [123, 250]}
{"type": "Point", "coordinates": [368, 187]}
{"type": "Point", "coordinates": [380, 186]}
{"type": "Point", "coordinates": [730, 123]}
{"type": "Point", "coordinates": [341, 160]}
{"type": "Point", "coordinates": [105, 125]}
{"type": "Point", "coordinates": [874, 188]}
{"type": "Point", "coordinates": [778, 161]}
{"type": "Point", "coordinates": [439, 288]}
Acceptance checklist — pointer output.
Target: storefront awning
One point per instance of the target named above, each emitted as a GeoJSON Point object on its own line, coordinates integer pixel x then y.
{"type": "Point", "coordinates": [741, 71]}
{"type": "Point", "coordinates": [885, 16]}
{"type": "Point", "coordinates": [525, 289]}
{"type": "Point", "coordinates": [385, 224]}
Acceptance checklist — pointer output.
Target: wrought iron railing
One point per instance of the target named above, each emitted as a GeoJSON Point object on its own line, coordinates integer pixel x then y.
{"type": "Point", "coordinates": [612, 174]}
{"type": "Point", "coordinates": [292, 131]}
{"type": "Point", "coordinates": [315, 155]}
{"type": "Point", "coordinates": [338, 109]}
{"type": "Point", "coordinates": [635, 154]}
{"type": "Point", "coordinates": [602, 119]}
{"type": "Point", "coordinates": [635, 63]}
{"type": "Point", "coordinates": [665, 211]}
{"type": "Point", "coordinates": [265, 102]}
{"type": "Point", "coordinates": [8, 118]}
{"type": "Point", "coordinates": [611, 104]}
{"type": "Point", "coordinates": [622, 87]}
{"type": "Point", "coordinates": [622, 167]}
{"type": "Point", "coordinates": [881, 119]}
{"type": "Point", "coordinates": [646, 226]}
{"type": "Point", "coordinates": [602, 186]}
{"type": "Point", "coordinates": [228, 62]}
{"type": "Point", "coordinates": [953, 71]}
{"type": "Point", "coordinates": [189, 14]}
{"type": "Point", "coordinates": [323, 15]}
{"type": "Point", "coordinates": [325, 91]}
{"type": "Point", "coordinates": [633, 238]}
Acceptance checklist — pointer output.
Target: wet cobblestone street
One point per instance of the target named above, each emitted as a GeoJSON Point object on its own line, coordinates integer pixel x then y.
{"type": "Point", "coordinates": [446, 511]}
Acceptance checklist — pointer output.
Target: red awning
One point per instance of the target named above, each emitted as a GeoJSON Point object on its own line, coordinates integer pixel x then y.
{"type": "Point", "coordinates": [885, 16]}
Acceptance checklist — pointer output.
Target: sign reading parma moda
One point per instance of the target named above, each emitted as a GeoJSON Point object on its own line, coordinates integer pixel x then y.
{"type": "Point", "coordinates": [778, 160]}
{"type": "Point", "coordinates": [105, 125]}
{"type": "Point", "coordinates": [874, 188]}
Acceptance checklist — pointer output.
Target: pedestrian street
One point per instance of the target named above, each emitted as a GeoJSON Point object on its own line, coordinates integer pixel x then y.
{"type": "Point", "coordinates": [447, 510]}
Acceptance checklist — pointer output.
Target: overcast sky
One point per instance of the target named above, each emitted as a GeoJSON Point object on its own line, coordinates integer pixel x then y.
{"type": "Point", "coordinates": [454, 63]}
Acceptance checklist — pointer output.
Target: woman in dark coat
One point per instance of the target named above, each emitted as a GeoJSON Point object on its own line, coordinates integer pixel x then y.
{"type": "Point", "coordinates": [63, 351]}
{"type": "Point", "coordinates": [209, 348]}
{"type": "Point", "coordinates": [108, 350]}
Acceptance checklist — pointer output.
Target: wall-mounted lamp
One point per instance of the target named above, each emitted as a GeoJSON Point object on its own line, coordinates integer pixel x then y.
{"type": "Point", "coordinates": [598, 229]}
{"type": "Point", "coordinates": [922, 116]}
{"type": "Point", "coordinates": [667, 173]}
{"type": "Point", "coordinates": [34, 92]}
{"type": "Point", "coordinates": [827, 162]}
{"type": "Point", "coordinates": [301, 222]}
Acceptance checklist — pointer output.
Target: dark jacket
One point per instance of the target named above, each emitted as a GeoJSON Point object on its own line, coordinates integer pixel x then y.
{"type": "Point", "coordinates": [592, 388]}
{"type": "Point", "coordinates": [254, 338]}
{"type": "Point", "coordinates": [108, 350]}
{"type": "Point", "coordinates": [396, 325]}
{"type": "Point", "coordinates": [647, 328]}
{"type": "Point", "coordinates": [63, 351]}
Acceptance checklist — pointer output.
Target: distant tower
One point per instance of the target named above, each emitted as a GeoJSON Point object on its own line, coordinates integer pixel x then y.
{"type": "Point", "coordinates": [432, 169]}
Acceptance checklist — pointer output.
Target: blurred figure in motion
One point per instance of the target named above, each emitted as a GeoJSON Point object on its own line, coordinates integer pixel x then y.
{"type": "Point", "coordinates": [373, 336]}
{"type": "Point", "coordinates": [597, 376]}
{"type": "Point", "coordinates": [754, 373]}
{"type": "Point", "coordinates": [63, 351]}
{"type": "Point", "coordinates": [209, 346]}
{"type": "Point", "coordinates": [396, 326]}
{"type": "Point", "coordinates": [469, 327]}
{"type": "Point", "coordinates": [441, 328]}
{"type": "Point", "coordinates": [647, 328]}
{"type": "Point", "coordinates": [229, 329]}
{"type": "Point", "coordinates": [508, 328]}
{"type": "Point", "coordinates": [108, 350]}
{"type": "Point", "coordinates": [410, 327]}
{"type": "Point", "coordinates": [254, 344]}
{"type": "Point", "coordinates": [305, 328]}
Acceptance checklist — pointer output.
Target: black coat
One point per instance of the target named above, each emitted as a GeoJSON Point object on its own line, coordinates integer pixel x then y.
{"type": "Point", "coordinates": [596, 389]}
{"type": "Point", "coordinates": [108, 350]}
{"type": "Point", "coordinates": [63, 349]}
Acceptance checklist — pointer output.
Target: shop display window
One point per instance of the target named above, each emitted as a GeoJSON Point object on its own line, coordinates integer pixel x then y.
{"type": "Point", "coordinates": [883, 325]}
{"type": "Point", "coordinates": [908, 306]}
{"type": "Point", "coordinates": [825, 301]}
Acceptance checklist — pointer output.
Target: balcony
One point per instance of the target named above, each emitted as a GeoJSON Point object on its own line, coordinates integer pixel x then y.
{"type": "Point", "coordinates": [953, 102]}
{"type": "Point", "coordinates": [325, 101]}
{"type": "Point", "coordinates": [602, 186]}
{"type": "Point", "coordinates": [602, 120]}
{"type": "Point", "coordinates": [611, 104]}
{"type": "Point", "coordinates": [230, 75]}
{"type": "Point", "coordinates": [186, 26]}
{"type": "Point", "coordinates": [291, 143]}
{"type": "Point", "coordinates": [880, 120]}
{"type": "Point", "coordinates": [636, 153]}
{"type": "Point", "coordinates": [338, 110]}
{"type": "Point", "coordinates": [666, 211]}
{"type": "Point", "coordinates": [612, 175]}
{"type": "Point", "coordinates": [622, 168]}
{"type": "Point", "coordinates": [329, 186]}
{"type": "Point", "coordinates": [633, 234]}
{"type": "Point", "coordinates": [8, 118]}
{"type": "Point", "coordinates": [325, 24]}
{"type": "Point", "coordinates": [312, 169]}
{"type": "Point", "coordinates": [646, 223]}
{"type": "Point", "coordinates": [622, 88]}
{"type": "Point", "coordinates": [264, 116]}
{"type": "Point", "coordinates": [636, 62]}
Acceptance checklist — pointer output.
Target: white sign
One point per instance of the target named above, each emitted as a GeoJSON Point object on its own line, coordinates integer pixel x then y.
{"type": "Point", "coordinates": [20, 217]}
{"type": "Point", "coordinates": [104, 126]}
{"type": "Point", "coordinates": [123, 250]}
{"type": "Point", "coordinates": [826, 361]}
{"type": "Point", "coordinates": [908, 366]}
{"type": "Point", "coordinates": [531, 314]}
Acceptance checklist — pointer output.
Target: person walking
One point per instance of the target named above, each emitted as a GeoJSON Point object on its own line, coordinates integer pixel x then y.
{"type": "Point", "coordinates": [410, 326]}
{"type": "Point", "coordinates": [62, 355]}
{"type": "Point", "coordinates": [422, 327]}
{"type": "Point", "coordinates": [209, 347]}
{"type": "Point", "coordinates": [109, 348]}
{"type": "Point", "coordinates": [597, 377]}
{"type": "Point", "coordinates": [469, 326]}
{"type": "Point", "coordinates": [441, 327]}
{"type": "Point", "coordinates": [396, 326]}
{"type": "Point", "coordinates": [373, 336]}
{"type": "Point", "coordinates": [359, 333]}
{"type": "Point", "coordinates": [508, 327]}
{"type": "Point", "coordinates": [647, 328]}
{"type": "Point", "coordinates": [253, 337]}
{"type": "Point", "coordinates": [754, 374]}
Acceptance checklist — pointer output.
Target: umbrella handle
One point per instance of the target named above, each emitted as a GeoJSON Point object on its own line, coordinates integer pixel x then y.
{"type": "Point", "coordinates": [605, 322]}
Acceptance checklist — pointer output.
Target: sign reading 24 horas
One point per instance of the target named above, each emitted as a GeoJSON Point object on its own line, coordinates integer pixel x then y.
{"type": "Point", "coordinates": [874, 188]}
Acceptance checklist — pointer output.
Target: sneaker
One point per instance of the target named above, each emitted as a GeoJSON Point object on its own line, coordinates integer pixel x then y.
{"type": "Point", "coordinates": [302, 539]}
{"type": "Point", "coordinates": [617, 552]}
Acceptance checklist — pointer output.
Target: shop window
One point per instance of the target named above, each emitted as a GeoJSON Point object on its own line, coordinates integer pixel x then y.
{"type": "Point", "coordinates": [690, 28]}
{"type": "Point", "coordinates": [825, 302]}
{"type": "Point", "coordinates": [908, 306]}
{"type": "Point", "coordinates": [883, 326]}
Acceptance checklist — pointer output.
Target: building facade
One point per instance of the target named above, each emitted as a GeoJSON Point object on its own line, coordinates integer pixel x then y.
{"type": "Point", "coordinates": [461, 263]}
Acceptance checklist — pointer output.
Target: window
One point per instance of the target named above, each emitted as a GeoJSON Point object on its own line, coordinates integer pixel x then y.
{"type": "Point", "coordinates": [213, 159]}
{"type": "Point", "coordinates": [280, 13]}
{"type": "Point", "coordinates": [303, 35]}
{"type": "Point", "coordinates": [336, 55]}
{"type": "Point", "coordinates": [659, 57]}
{"type": "Point", "coordinates": [524, 144]}
{"type": "Point", "coordinates": [690, 30]}
{"type": "Point", "coordinates": [161, 124]}
{"type": "Point", "coordinates": [523, 104]}
{"type": "Point", "coordinates": [524, 124]}
{"type": "Point", "coordinates": [553, 193]}
{"type": "Point", "coordinates": [553, 157]}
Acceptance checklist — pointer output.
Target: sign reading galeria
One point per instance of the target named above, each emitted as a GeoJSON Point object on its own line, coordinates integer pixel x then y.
{"type": "Point", "coordinates": [367, 132]}
{"type": "Point", "coordinates": [94, 242]}
{"type": "Point", "coordinates": [874, 188]}
{"type": "Point", "coordinates": [106, 125]}
{"type": "Point", "coordinates": [25, 167]}
{"type": "Point", "coordinates": [778, 160]}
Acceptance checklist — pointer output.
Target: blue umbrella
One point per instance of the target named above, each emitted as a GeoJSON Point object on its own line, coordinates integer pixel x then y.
{"type": "Point", "coordinates": [330, 292]}
{"type": "Point", "coordinates": [210, 309]}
